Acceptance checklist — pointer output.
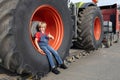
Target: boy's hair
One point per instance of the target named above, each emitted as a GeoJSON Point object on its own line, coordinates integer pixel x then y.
{"type": "Point", "coordinates": [41, 24]}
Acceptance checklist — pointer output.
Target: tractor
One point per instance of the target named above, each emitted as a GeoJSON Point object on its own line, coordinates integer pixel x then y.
{"type": "Point", "coordinates": [79, 24]}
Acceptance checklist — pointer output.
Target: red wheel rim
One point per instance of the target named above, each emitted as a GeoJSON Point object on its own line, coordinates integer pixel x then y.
{"type": "Point", "coordinates": [97, 28]}
{"type": "Point", "coordinates": [54, 22]}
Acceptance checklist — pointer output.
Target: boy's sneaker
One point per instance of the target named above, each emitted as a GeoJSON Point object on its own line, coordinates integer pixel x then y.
{"type": "Point", "coordinates": [56, 71]}
{"type": "Point", "coordinates": [63, 66]}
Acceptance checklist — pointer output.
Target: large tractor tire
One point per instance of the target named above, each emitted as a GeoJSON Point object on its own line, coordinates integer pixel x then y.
{"type": "Point", "coordinates": [17, 50]}
{"type": "Point", "coordinates": [90, 28]}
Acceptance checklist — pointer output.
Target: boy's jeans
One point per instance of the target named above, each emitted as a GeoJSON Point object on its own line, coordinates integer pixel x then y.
{"type": "Point", "coordinates": [49, 51]}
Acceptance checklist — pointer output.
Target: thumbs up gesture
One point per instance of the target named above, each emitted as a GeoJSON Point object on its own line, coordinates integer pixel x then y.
{"type": "Point", "coordinates": [50, 36]}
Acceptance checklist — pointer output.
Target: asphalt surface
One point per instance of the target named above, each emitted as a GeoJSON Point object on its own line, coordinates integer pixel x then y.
{"type": "Point", "coordinates": [102, 64]}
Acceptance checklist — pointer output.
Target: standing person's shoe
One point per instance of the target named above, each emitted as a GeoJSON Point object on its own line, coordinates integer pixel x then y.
{"type": "Point", "coordinates": [63, 66]}
{"type": "Point", "coordinates": [56, 71]}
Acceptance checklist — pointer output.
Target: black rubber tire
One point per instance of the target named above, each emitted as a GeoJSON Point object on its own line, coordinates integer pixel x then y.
{"type": "Point", "coordinates": [86, 39]}
{"type": "Point", "coordinates": [118, 37]}
{"type": "Point", "coordinates": [16, 50]}
{"type": "Point", "coordinates": [111, 39]}
{"type": "Point", "coordinates": [108, 40]}
{"type": "Point", "coordinates": [108, 43]}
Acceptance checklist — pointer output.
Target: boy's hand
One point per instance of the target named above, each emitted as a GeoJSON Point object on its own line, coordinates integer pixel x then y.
{"type": "Point", "coordinates": [50, 36]}
{"type": "Point", "coordinates": [41, 51]}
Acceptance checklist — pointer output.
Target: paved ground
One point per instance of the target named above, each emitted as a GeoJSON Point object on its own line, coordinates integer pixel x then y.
{"type": "Point", "coordinates": [103, 64]}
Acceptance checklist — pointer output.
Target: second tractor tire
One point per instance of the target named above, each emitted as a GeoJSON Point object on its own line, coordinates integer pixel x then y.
{"type": "Point", "coordinates": [90, 28]}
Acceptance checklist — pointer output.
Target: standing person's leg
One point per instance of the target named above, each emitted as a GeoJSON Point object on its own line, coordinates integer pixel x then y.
{"type": "Point", "coordinates": [55, 53]}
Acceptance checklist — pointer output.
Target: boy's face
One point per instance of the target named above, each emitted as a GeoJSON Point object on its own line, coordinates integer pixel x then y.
{"type": "Point", "coordinates": [42, 29]}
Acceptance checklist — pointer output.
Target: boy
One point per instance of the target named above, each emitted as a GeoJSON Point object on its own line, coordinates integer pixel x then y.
{"type": "Point", "coordinates": [41, 42]}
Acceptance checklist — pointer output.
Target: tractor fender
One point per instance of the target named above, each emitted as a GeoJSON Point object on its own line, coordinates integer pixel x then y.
{"type": "Point", "coordinates": [88, 4]}
{"type": "Point", "coordinates": [85, 5]}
